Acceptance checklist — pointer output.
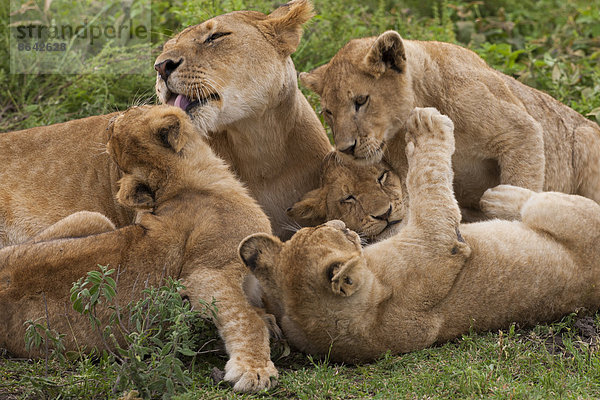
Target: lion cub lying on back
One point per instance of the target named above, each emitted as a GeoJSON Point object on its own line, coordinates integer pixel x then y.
{"type": "Point", "coordinates": [430, 282]}
{"type": "Point", "coordinates": [192, 214]}
{"type": "Point", "coordinates": [368, 198]}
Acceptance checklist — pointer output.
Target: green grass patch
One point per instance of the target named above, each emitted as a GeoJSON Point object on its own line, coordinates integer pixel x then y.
{"type": "Point", "coordinates": [515, 363]}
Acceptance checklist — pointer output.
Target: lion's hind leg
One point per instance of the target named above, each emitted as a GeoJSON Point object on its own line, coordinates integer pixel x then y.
{"type": "Point", "coordinates": [587, 162]}
{"type": "Point", "coordinates": [572, 219]}
{"type": "Point", "coordinates": [79, 224]}
{"type": "Point", "coordinates": [505, 201]}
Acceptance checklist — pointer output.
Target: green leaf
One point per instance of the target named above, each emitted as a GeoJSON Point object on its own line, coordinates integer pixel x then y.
{"type": "Point", "coordinates": [110, 281]}
{"type": "Point", "coordinates": [187, 352]}
{"type": "Point", "coordinates": [78, 305]}
{"type": "Point", "coordinates": [109, 292]}
{"type": "Point", "coordinates": [170, 386]}
{"type": "Point", "coordinates": [94, 277]}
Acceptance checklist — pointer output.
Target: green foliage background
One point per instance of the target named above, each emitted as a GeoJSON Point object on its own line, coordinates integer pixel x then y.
{"type": "Point", "coordinates": [553, 45]}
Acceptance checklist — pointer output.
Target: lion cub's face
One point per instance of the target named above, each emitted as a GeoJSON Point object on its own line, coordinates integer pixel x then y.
{"type": "Point", "coordinates": [366, 94]}
{"type": "Point", "coordinates": [146, 144]}
{"type": "Point", "coordinates": [368, 198]}
{"type": "Point", "coordinates": [232, 66]}
{"type": "Point", "coordinates": [320, 270]}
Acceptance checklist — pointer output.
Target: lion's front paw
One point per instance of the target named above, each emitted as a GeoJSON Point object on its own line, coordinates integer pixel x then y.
{"type": "Point", "coordinates": [250, 376]}
{"type": "Point", "coordinates": [504, 201]}
{"type": "Point", "coordinates": [426, 127]}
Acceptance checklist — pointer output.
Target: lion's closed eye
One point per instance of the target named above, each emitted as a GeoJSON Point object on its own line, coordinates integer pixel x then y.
{"type": "Point", "coordinates": [348, 199]}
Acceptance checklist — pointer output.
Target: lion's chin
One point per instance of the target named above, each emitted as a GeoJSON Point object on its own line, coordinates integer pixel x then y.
{"type": "Point", "coordinates": [366, 158]}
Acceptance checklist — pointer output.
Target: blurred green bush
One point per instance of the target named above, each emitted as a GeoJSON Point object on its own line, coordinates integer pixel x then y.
{"type": "Point", "coordinates": [552, 45]}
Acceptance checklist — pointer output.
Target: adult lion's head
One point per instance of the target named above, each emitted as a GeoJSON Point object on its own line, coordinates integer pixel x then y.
{"type": "Point", "coordinates": [368, 198]}
{"type": "Point", "coordinates": [232, 66]}
{"type": "Point", "coordinates": [366, 94]}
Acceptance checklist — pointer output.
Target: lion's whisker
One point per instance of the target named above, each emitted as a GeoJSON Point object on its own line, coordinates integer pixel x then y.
{"type": "Point", "coordinates": [291, 226]}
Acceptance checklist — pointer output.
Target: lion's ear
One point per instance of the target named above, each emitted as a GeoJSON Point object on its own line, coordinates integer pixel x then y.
{"type": "Point", "coordinates": [310, 209]}
{"type": "Point", "coordinates": [346, 279]}
{"type": "Point", "coordinates": [258, 251]}
{"type": "Point", "coordinates": [110, 126]}
{"type": "Point", "coordinates": [284, 25]}
{"type": "Point", "coordinates": [135, 193]}
{"type": "Point", "coordinates": [386, 53]}
{"type": "Point", "coordinates": [171, 134]}
{"type": "Point", "coordinates": [314, 79]}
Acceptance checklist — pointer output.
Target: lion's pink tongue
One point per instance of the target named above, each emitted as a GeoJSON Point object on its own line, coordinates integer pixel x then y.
{"type": "Point", "coordinates": [180, 101]}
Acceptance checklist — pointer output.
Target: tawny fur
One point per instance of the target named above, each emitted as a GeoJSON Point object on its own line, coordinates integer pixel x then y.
{"type": "Point", "coordinates": [431, 282]}
{"type": "Point", "coordinates": [506, 132]}
{"type": "Point", "coordinates": [367, 198]}
{"type": "Point", "coordinates": [261, 125]}
{"type": "Point", "coordinates": [48, 173]}
{"type": "Point", "coordinates": [192, 214]}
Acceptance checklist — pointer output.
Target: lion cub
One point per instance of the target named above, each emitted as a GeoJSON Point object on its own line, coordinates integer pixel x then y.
{"type": "Point", "coordinates": [505, 131]}
{"type": "Point", "coordinates": [192, 214]}
{"type": "Point", "coordinates": [431, 282]}
{"type": "Point", "coordinates": [368, 198]}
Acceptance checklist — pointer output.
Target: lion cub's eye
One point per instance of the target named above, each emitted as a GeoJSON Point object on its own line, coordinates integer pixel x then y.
{"type": "Point", "coordinates": [348, 199]}
{"type": "Point", "coordinates": [360, 101]}
{"type": "Point", "coordinates": [215, 36]}
{"type": "Point", "coordinates": [382, 177]}
{"type": "Point", "coordinates": [327, 113]}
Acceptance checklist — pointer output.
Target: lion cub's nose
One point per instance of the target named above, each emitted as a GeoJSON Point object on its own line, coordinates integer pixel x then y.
{"type": "Point", "coordinates": [385, 216]}
{"type": "Point", "coordinates": [336, 223]}
{"type": "Point", "coordinates": [350, 149]}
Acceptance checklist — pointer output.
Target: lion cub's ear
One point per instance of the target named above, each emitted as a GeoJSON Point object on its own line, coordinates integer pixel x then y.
{"type": "Point", "coordinates": [172, 133]}
{"type": "Point", "coordinates": [284, 25]}
{"type": "Point", "coordinates": [346, 279]}
{"type": "Point", "coordinates": [310, 209]}
{"type": "Point", "coordinates": [135, 193]}
{"type": "Point", "coordinates": [386, 53]}
{"type": "Point", "coordinates": [314, 79]}
{"type": "Point", "coordinates": [258, 251]}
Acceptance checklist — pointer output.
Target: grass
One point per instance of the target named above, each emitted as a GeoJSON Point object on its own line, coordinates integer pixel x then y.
{"type": "Point", "coordinates": [549, 44]}
{"type": "Point", "coordinates": [509, 364]}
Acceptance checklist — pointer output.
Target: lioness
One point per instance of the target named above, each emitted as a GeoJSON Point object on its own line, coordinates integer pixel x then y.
{"type": "Point", "coordinates": [431, 282]}
{"type": "Point", "coordinates": [506, 132]}
{"type": "Point", "coordinates": [367, 198]}
{"type": "Point", "coordinates": [192, 214]}
{"type": "Point", "coordinates": [234, 76]}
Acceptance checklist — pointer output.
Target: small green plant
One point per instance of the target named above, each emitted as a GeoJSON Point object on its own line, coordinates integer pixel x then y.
{"type": "Point", "coordinates": [148, 340]}
{"type": "Point", "coordinates": [38, 334]}
{"type": "Point", "coordinates": [89, 292]}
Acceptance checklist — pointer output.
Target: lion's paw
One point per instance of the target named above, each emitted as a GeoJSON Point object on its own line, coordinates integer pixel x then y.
{"type": "Point", "coordinates": [248, 377]}
{"type": "Point", "coordinates": [274, 329]}
{"type": "Point", "coordinates": [426, 127]}
{"type": "Point", "coordinates": [504, 201]}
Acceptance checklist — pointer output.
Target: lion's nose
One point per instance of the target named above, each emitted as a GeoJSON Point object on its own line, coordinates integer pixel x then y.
{"type": "Point", "coordinates": [385, 216]}
{"type": "Point", "coordinates": [350, 149]}
{"type": "Point", "coordinates": [166, 68]}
